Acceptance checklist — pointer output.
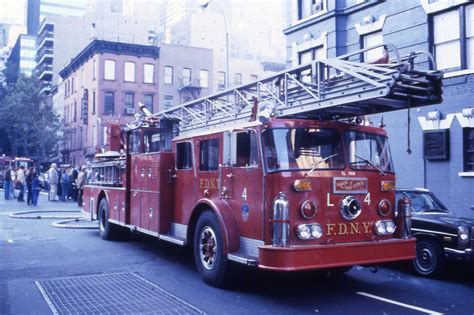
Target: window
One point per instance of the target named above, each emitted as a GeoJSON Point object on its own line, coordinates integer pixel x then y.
{"type": "Point", "coordinates": [148, 73]}
{"type": "Point", "coordinates": [184, 157]}
{"type": "Point", "coordinates": [129, 103]}
{"type": "Point", "coordinates": [75, 111]}
{"type": "Point", "coordinates": [253, 77]}
{"type": "Point", "coordinates": [306, 56]}
{"type": "Point", "coordinates": [309, 7]}
{"type": "Point", "coordinates": [186, 76]}
{"type": "Point", "coordinates": [436, 144]}
{"type": "Point", "coordinates": [373, 39]}
{"type": "Point", "coordinates": [209, 155]}
{"type": "Point", "coordinates": [168, 102]}
{"type": "Point", "coordinates": [93, 102]}
{"type": "Point", "coordinates": [238, 78]}
{"type": "Point", "coordinates": [109, 70]}
{"type": "Point", "coordinates": [453, 38]}
{"type": "Point", "coordinates": [468, 148]}
{"type": "Point", "coordinates": [446, 40]}
{"type": "Point", "coordinates": [129, 71]}
{"type": "Point", "coordinates": [148, 101]}
{"type": "Point", "coordinates": [151, 141]}
{"type": "Point", "coordinates": [247, 150]}
{"type": "Point", "coordinates": [220, 80]}
{"type": "Point", "coordinates": [109, 103]}
{"type": "Point", "coordinates": [204, 78]}
{"type": "Point", "coordinates": [94, 70]}
{"type": "Point", "coordinates": [134, 141]}
{"type": "Point", "coordinates": [168, 79]}
{"type": "Point", "coordinates": [73, 85]}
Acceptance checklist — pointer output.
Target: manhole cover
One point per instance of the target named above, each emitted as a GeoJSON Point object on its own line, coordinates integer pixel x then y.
{"type": "Point", "coordinates": [120, 293]}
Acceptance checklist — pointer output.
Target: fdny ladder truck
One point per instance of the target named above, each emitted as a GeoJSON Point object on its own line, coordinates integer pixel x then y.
{"type": "Point", "coordinates": [279, 174]}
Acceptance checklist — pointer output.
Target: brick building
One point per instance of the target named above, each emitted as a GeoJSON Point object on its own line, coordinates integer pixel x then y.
{"type": "Point", "coordinates": [105, 81]}
{"type": "Point", "coordinates": [441, 137]}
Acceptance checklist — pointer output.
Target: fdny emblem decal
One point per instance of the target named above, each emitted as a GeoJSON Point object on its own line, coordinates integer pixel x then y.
{"type": "Point", "coordinates": [245, 211]}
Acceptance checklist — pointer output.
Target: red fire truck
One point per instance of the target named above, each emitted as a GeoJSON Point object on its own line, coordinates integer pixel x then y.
{"type": "Point", "coordinates": [283, 174]}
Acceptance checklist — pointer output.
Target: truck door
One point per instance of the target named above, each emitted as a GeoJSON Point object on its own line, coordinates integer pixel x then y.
{"type": "Point", "coordinates": [184, 181]}
{"type": "Point", "coordinates": [242, 182]}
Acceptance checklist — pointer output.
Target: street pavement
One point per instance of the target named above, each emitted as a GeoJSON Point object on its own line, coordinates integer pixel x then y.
{"type": "Point", "coordinates": [33, 250]}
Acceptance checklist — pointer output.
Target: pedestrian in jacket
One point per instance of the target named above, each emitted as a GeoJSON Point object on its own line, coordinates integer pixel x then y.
{"type": "Point", "coordinates": [29, 179]}
{"type": "Point", "coordinates": [35, 189]}
{"type": "Point", "coordinates": [80, 182]}
{"type": "Point", "coordinates": [53, 178]}
{"type": "Point", "coordinates": [21, 180]}
{"type": "Point", "coordinates": [7, 183]}
{"type": "Point", "coordinates": [64, 181]}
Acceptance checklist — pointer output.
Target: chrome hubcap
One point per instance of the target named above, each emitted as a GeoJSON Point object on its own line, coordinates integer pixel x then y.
{"type": "Point", "coordinates": [208, 248]}
{"type": "Point", "coordinates": [425, 259]}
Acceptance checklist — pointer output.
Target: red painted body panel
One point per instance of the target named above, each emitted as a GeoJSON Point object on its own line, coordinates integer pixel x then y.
{"type": "Point", "coordinates": [329, 256]}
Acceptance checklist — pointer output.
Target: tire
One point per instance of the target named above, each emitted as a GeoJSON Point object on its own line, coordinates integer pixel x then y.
{"type": "Point", "coordinates": [337, 272]}
{"type": "Point", "coordinates": [429, 258]}
{"type": "Point", "coordinates": [209, 256]}
{"type": "Point", "coordinates": [106, 230]}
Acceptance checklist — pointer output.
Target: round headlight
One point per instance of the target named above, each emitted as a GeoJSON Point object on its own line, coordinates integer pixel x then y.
{"type": "Point", "coordinates": [390, 226]}
{"type": "Point", "coordinates": [304, 232]}
{"type": "Point", "coordinates": [308, 209]}
{"type": "Point", "coordinates": [316, 231]}
{"type": "Point", "coordinates": [350, 208]}
{"type": "Point", "coordinates": [385, 207]}
{"type": "Point", "coordinates": [463, 233]}
{"type": "Point", "coordinates": [380, 228]}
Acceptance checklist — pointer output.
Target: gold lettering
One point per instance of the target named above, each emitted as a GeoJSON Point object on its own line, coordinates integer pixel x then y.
{"type": "Point", "coordinates": [213, 183]}
{"type": "Point", "coordinates": [330, 228]}
{"type": "Point", "coordinates": [201, 183]}
{"type": "Point", "coordinates": [329, 204]}
{"type": "Point", "coordinates": [366, 226]}
{"type": "Point", "coordinates": [342, 229]}
{"type": "Point", "coordinates": [354, 228]}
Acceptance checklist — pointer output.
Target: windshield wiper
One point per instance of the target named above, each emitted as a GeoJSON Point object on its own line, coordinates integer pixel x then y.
{"type": "Point", "coordinates": [315, 165]}
{"type": "Point", "coordinates": [371, 163]}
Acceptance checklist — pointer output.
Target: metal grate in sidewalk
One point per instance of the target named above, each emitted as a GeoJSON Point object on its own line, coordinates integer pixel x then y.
{"type": "Point", "coordinates": [120, 293]}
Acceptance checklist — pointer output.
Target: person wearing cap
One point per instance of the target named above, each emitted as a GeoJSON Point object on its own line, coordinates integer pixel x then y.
{"type": "Point", "coordinates": [53, 182]}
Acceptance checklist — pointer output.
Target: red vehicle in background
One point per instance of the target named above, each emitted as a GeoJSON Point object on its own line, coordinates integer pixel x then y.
{"type": "Point", "coordinates": [280, 174]}
{"type": "Point", "coordinates": [6, 161]}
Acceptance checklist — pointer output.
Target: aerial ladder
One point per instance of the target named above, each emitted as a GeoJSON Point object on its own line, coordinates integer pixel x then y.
{"type": "Point", "coordinates": [328, 89]}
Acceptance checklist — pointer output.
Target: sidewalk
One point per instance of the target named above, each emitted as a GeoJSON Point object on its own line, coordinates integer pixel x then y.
{"type": "Point", "coordinates": [13, 206]}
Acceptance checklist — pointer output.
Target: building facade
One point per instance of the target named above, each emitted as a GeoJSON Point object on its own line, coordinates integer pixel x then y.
{"type": "Point", "coordinates": [104, 82]}
{"type": "Point", "coordinates": [433, 146]}
{"type": "Point", "coordinates": [23, 55]}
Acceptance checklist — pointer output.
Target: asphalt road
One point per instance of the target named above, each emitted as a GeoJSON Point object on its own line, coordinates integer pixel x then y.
{"type": "Point", "coordinates": [32, 250]}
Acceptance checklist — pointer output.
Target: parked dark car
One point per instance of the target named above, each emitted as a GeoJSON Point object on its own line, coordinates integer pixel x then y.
{"type": "Point", "coordinates": [440, 234]}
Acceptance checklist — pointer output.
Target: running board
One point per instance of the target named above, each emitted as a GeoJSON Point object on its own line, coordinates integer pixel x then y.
{"type": "Point", "coordinates": [172, 239]}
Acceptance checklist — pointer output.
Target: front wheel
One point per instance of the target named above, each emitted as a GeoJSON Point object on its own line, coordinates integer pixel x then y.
{"type": "Point", "coordinates": [429, 258]}
{"type": "Point", "coordinates": [106, 230]}
{"type": "Point", "coordinates": [209, 256]}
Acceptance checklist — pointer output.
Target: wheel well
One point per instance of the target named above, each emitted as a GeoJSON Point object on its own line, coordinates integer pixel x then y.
{"type": "Point", "coordinates": [200, 208]}
{"type": "Point", "coordinates": [427, 237]}
{"type": "Point", "coordinates": [101, 196]}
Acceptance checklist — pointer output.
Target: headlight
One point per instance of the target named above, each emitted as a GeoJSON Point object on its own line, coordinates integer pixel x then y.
{"type": "Point", "coordinates": [350, 208]}
{"type": "Point", "coordinates": [384, 227]}
{"type": "Point", "coordinates": [463, 234]}
{"type": "Point", "coordinates": [309, 231]}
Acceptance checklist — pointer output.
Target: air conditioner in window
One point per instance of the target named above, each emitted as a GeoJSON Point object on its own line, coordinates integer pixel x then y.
{"type": "Point", "coordinates": [129, 111]}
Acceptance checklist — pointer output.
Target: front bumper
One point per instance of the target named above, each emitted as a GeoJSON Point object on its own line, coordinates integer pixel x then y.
{"type": "Point", "coordinates": [337, 255]}
{"type": "Point", "coordinates": [466, 255]}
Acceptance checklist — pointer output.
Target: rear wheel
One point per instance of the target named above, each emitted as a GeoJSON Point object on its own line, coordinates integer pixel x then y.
{"type": "Point", "coordinates": [106, 230]}
{"type": "Point", "coordinates": [209, 256]}
{"type": "Point", "coordinates": [429, 258]}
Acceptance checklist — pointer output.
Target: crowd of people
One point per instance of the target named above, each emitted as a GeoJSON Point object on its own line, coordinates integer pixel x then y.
{"type": "Point", "coordinates": [63, 184]}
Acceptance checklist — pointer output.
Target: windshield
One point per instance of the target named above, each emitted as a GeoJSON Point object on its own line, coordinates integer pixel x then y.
{"type": "Point", "coordinates": [423, 201]}
{"type": "Point", "coordinates": [302, 149]}
{"type": "Point", "coordinates": [368, 151]}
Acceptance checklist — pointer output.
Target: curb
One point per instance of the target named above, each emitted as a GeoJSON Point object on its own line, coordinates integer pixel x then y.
{"type": "Point", "coordinates": [25, 215]}
{"type": "Point", "coordinates": [65, 224]}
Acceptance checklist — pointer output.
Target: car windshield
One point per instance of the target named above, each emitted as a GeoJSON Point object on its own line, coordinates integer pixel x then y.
{"type": "Point", "coordinates": [302, 149]}
{"type": "Point", "coordinates": [422, 201]}
{"type": "Point", "coordinates": [368, 151]}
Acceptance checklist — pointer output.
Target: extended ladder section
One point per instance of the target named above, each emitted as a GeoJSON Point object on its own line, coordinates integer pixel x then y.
{"type": "Point", "coordinates": [325, 89]}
